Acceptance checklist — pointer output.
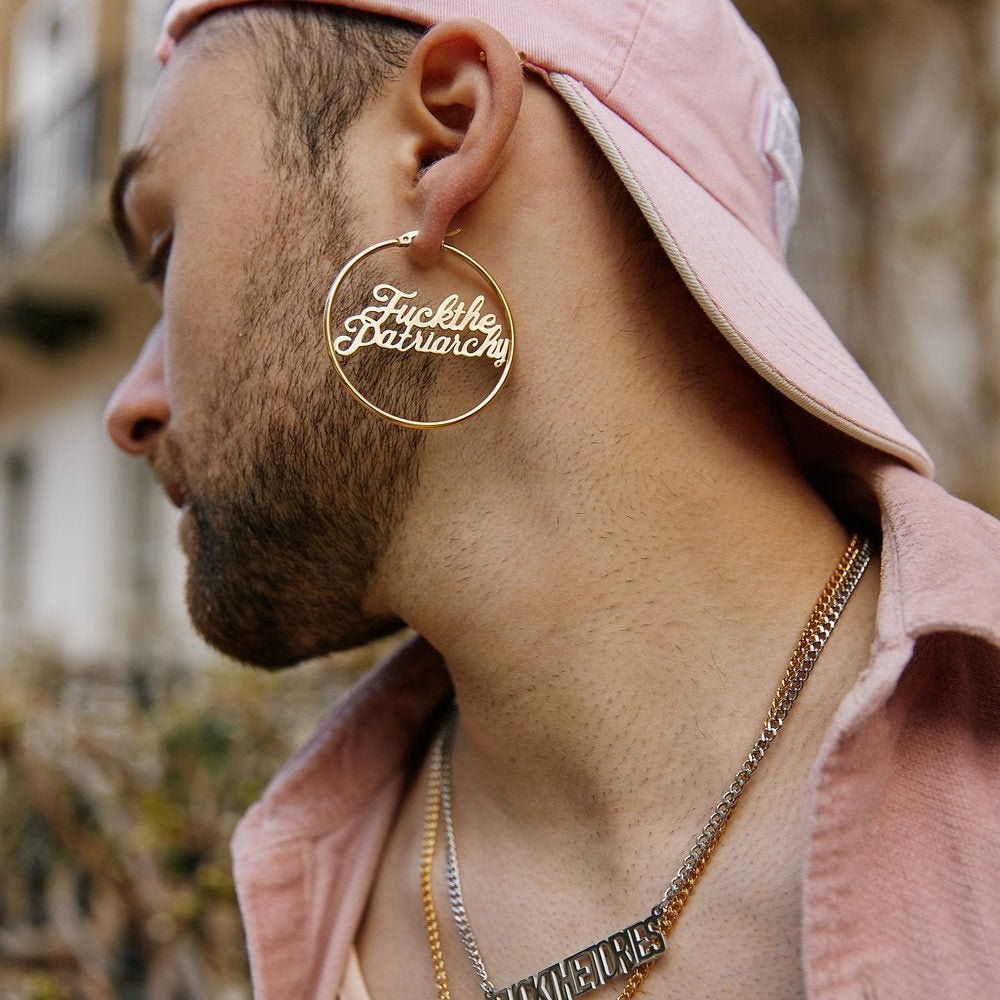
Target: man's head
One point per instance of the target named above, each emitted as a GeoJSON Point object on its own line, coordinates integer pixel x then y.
{"type": "Point", "coordinates": [242, 200]}
{"type": "Point", "coordinates": [283, 139]}
{"type": "Point", "coordinates": [238, 184]}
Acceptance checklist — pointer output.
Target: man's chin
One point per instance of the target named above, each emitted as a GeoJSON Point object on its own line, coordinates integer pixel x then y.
{"type": "Point", "coordinates": [275, 646]}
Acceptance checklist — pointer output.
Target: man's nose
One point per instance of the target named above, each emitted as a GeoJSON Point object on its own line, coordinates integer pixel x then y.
{"type": "Point", "coordinates": [138, 411]}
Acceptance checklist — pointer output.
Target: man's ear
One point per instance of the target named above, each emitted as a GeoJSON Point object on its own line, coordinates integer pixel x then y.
{"type": "Point", "coordinates": [462, 92]}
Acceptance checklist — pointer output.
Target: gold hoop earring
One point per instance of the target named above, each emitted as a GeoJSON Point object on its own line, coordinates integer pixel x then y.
{"type": "Point", "coordinates": [392, 322]}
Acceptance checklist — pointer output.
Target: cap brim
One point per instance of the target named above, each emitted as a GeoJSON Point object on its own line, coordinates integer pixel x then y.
{"type": "Point", "coordinates": [746, 291]}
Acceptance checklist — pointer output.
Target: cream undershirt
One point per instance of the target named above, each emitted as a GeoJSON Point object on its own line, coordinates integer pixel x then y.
{"type": "Point", "coordinates": [353, 986]}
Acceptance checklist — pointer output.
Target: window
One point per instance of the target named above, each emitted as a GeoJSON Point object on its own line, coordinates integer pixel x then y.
{"type": "Point", "coordinates": [54, 113]}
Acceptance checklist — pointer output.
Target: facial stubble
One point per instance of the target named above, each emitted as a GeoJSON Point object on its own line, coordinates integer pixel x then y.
{"type": "Point", "coordinates": [304, 490]}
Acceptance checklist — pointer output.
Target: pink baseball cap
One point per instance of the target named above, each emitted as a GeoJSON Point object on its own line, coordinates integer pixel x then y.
{"type": "Point", "coordinates": [688, 107]}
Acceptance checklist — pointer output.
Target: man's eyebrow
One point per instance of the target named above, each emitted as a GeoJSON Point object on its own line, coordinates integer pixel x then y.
{"type": "Point", "coordinates": [131, 163]}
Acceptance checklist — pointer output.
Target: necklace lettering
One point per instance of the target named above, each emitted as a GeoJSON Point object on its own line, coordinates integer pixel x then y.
{"type": "Point", "coordinates": [620, 955]}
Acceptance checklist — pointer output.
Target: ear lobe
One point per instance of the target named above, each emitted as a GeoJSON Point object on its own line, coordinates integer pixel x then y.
{"type": "Point", "coordinates": [464, 84]}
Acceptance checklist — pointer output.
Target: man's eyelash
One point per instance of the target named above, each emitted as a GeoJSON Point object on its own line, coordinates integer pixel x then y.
{"type": "Point", "coordinates": [155, 269]}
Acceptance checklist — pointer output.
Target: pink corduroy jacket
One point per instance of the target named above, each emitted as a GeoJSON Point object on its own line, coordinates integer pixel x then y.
{"type": "Point", "coordinates": [901, 886]}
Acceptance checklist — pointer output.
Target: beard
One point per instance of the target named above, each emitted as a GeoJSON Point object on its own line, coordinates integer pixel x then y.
{"type": "Point", "coordinates": [291, 508]}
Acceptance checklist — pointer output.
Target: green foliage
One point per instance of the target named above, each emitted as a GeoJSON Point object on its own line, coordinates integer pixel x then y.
{"type": "Point", "coordinates": [116, 818]}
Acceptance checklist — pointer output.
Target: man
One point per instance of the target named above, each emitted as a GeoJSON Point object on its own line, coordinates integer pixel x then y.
{"type": "Point", "coordinates": [609, 564]}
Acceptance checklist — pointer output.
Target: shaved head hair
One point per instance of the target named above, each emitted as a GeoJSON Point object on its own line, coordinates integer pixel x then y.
{"type": "Point", "coordinates": [320, 65]}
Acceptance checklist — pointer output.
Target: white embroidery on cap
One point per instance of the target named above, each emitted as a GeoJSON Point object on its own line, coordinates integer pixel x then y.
{"type": "Point", "coordinates": [782, 155]}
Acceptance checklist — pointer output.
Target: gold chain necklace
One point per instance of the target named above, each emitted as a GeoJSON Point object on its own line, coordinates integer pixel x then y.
{"type": "Point", "coordinates": [621, 955]}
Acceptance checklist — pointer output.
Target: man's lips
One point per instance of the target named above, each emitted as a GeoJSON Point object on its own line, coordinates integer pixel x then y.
{"type": "Point", "coordinates": [165, 463]}
{"type": "Point", "coordinates": [175, 493]}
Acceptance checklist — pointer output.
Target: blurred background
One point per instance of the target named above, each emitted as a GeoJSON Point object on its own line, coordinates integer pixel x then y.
{"type": "Point", "coordinates": [127, 750]}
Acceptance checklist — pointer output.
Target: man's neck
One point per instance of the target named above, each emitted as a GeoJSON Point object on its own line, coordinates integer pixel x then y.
{"type": "Point", "coordinates": [616, 597]}
{"type": "Point", "coordinates": [583, 657]}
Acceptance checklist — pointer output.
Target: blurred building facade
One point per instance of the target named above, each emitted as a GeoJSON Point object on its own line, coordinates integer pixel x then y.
{"type": "Point", "coordinates": [898, 245]}
{"type": "Point", "coordinates": [88, 562]}
{"type": "Point", "coordinates": [900, 237]}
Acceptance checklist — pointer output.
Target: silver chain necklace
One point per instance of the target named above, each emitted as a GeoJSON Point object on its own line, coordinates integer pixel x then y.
{"type": "Point", "coordinates": [625, 951]}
